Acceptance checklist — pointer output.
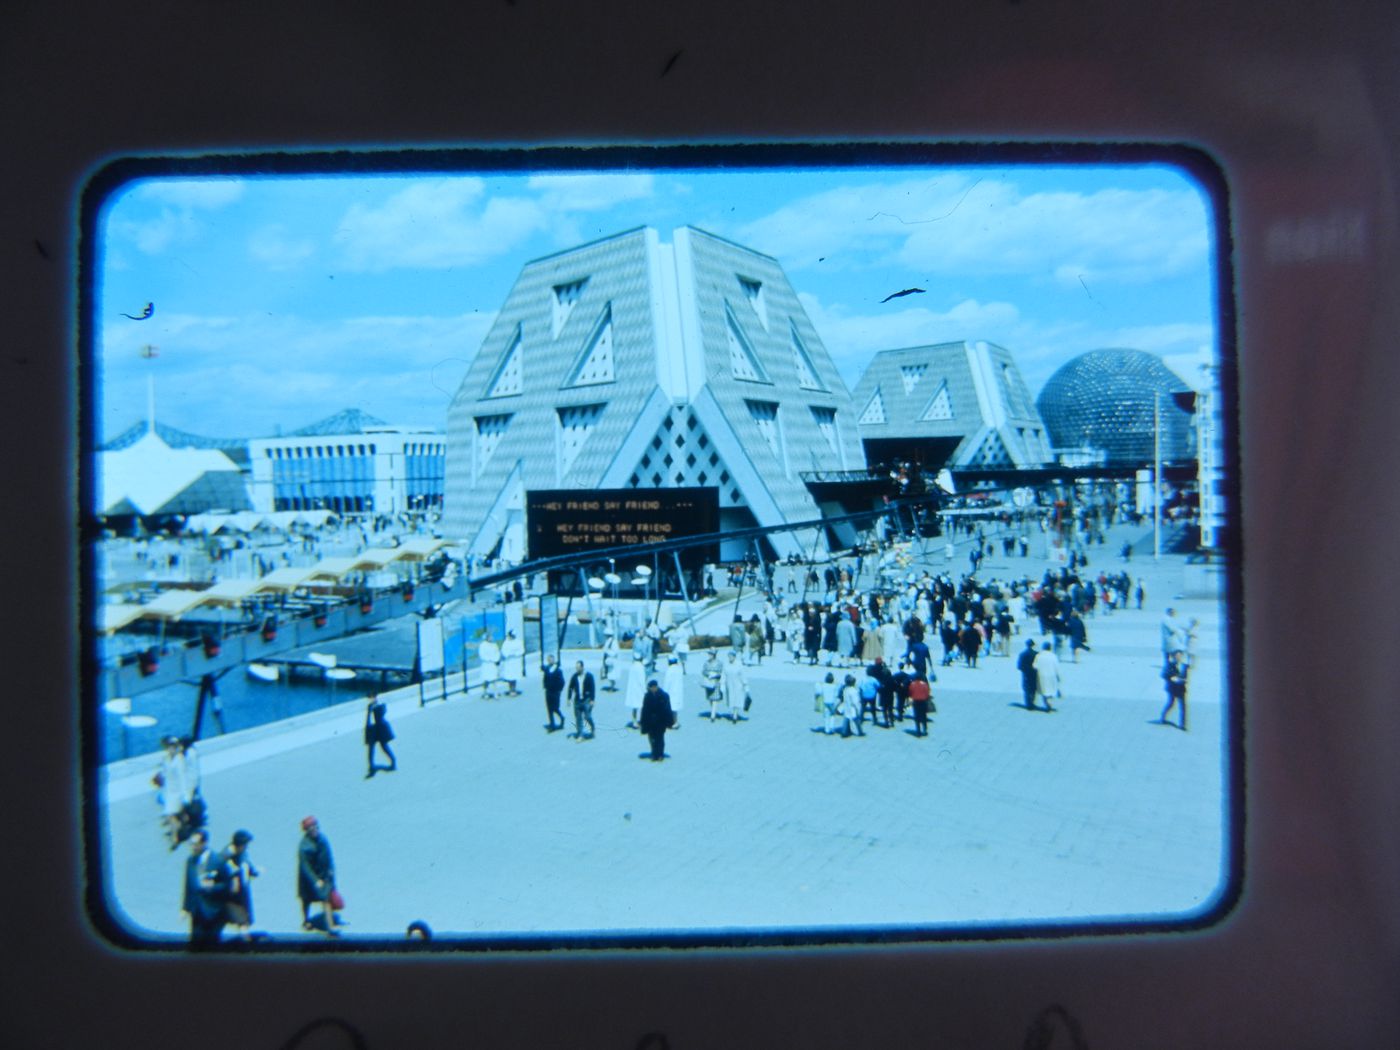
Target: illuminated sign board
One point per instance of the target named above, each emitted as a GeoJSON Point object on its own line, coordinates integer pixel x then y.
{"type": "Point", "coordinates": [574, 521]}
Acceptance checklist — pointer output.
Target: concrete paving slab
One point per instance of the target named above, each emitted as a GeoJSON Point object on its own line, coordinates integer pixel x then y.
{"type": "Point", "coordinates": [493, 828]}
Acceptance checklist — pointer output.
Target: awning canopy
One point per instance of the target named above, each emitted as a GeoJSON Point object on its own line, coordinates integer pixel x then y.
{"type": "Point", "coordinates": [229, 592]}
{"type": "Point", "coordinates": [113, 616]}
{"type": "Point", "coordinates": [331, 569]}
{"type": "Point", "coordinates": [285, 579]}
{"type": "Point", "coordinates": [171, 605]}
{"type": "Point", "coordinates": [376, 558]}
{"type": "Point", "coordinates": [420, 548]}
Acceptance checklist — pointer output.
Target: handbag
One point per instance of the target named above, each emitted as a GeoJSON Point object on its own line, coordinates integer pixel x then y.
{"type": "Point", "coordinates": [336, 900]}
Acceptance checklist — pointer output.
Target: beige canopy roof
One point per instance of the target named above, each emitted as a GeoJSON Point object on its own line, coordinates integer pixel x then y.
{"type": "Point", "coordinates": [113, 616]}
{"type": "Point", "coordinates": [331, 569]}
{"type": "Point", "coordinates": [171, 605]}
{"type": "Point", "coordinates": [284, 579]}
{"type": "Point", "coordinates": [376, 558]}
{"type": "Point", "coordinates": [420, 548]}
{"type": "Point", "coordinates": [229, 592]}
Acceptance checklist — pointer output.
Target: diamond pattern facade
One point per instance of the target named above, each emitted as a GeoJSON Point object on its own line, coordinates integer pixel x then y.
{"type": "Point", "coordinates": [632, 362]}
{"type": "Point", "coordinates": [978, 397]}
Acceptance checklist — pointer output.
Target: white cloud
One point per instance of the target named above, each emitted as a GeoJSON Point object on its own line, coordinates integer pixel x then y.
{"type": "Point", "coordinates": [591, 191]}
{"type": "Point", "coordinates": [959, 226]}
{"type": "Point", "coordinates": [435, 224]}
{"type": "Point", "coordinates": [442, 223]}
{"type": "Point", "coordinates": [191, 193]}
{"type": "Point", "coordinates": [243, 376]}
{"type": "Point", "coordinates": [844, 226]}
{"type": "Point", "coordinates": [175, 217]}
{"type": "Point", "coordinates": [853, 338]}
{"type": "Point", "coordinates": [271, 246]}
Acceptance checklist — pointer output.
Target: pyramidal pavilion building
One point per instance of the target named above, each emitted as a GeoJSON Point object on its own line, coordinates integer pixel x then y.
{"type": "Point", "coordinates": [635, 363]}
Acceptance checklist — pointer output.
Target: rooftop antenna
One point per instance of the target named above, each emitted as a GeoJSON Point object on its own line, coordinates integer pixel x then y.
{"type": "Point", "coordinates": [148, 352]}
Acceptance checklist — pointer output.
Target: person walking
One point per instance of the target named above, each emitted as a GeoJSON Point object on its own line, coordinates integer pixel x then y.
{"type": "Point", "coordinates": [738, 636]}
{"type": "Point", "coordinates": [634, 691]}
{"type": "Point", "coordinates": [674, 688]}
{"type": "Point", "coordinates": [869, 689]}
{"type": "Point", "coordinates": [238, 871]}
{"type": "Point", "coordinates": [204, 893]}
{"type": "Point", "coordinates": [851, 707]}
{"type": "Point", "coordinates": [970, 642]}
{"type": "Point", "coordinates": [712, 678]}
{"type": "Point", "coordinates": [828, 702]}
{"type": "Point", "coordinates": [656, 719]}
{"type": "Point", "coordinates": [1047, 675]}
{"type": "Point", "coordinates": [176, 785]}
{"type": "Point", "coordinates": [1078, 635]}
{"type": "Point", "coordinates": [553, 678]}
{"type": "Point", "coordinates": [1025, 663]}
{"type": "Point", "coordinates": [845, 640]}
{"type": "Point", "coordinates": [316, 877]}
{"type": "Point", "coordinates": [921, 695]}
{"type": "Point", "coordinates": [754, 641]}
{"type": "Point", "coordinates": [736, 688]}
{"type": "Point", "coordinates": [1174, 676]}
{"type": "Point", "coordinates": [512, 662]}
{"type": "Point", "coordinates": [378, 733]}
{"type": "Point", "coordinates": [489, 653]}
{"type": "Point", "coordinates": [582, 692]}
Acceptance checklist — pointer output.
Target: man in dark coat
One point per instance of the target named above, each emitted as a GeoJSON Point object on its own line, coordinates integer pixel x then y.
{"type": "Point", "coordinates": [204, 892]}
{"type": "Point", "coordinates": [582, 690]}
{"type": "Point", "coordinates": [1174, 676]}
{"type": "Point", "coordinates": [656, 718]}
{"type": "Point", "coordinates": [1025, 663]}
{"type": "Point", "coordinates": [315, 875]}
{"type": "Point", "coordinates": [553, 690]}
{"type": "Point", "coordinates": [378, 733]}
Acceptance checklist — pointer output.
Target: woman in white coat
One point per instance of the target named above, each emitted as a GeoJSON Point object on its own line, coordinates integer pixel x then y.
{"type": "Point", "coordinates": [675, 688]}
{"type": "Point", "coordinates": [635, 691]}
{"type": "Point", "coordinates": [1047, 675]}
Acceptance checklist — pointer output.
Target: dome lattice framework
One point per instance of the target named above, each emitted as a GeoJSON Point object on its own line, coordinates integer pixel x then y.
{"type": "Point", "coordinates": [1104, 399]}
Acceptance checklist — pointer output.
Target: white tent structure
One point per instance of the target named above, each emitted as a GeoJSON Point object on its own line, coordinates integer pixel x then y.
{"type": "Point", "coordinates": [149, 478]}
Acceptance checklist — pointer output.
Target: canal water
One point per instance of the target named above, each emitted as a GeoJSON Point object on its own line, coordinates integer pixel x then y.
{"type": "Point", "coordinates": [244, 702]}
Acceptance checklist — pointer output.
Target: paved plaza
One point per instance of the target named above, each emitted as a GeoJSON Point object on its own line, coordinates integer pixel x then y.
{"type": "Point", "coordinates": [493, 828]}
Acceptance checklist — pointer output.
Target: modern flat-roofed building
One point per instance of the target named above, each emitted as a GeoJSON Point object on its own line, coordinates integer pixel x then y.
{"type": "Point", "coordinates": [632, 362]}
{"type": "Point", "coordinates": [372, 470]}
{"type": "Point", "coordinates": [954, 405]}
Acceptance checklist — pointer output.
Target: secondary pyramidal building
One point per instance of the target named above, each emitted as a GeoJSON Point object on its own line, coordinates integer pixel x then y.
{"type": "Point", "coordinates": [631, 362]}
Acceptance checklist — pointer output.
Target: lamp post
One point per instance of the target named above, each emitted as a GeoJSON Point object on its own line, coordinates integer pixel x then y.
{"type": "Point", "coordinates": [1156, 477]}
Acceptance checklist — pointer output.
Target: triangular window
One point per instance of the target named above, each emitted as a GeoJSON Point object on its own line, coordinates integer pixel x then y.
{"type": "Point", "coordinates": [595, 364]}
{"type": "Point", "coordinates": [874, 409]}
{"type": "Point", "coordinates": [992, 453]}
{"type": "Point", "coordinates": [939, 406]}
{"type": "Point", "coordinates": [911, 374]}
{"type": "Point", "coordinates": [802, 361]}
{"type": "Point", "coordinates": [753, 292]}
{"type": "Point", "coordinates": [489, 431]}
{"type": "Point", "coordinates": [576, 425]}
{"type": "Point", "coordinates": [743, 362]}
{"type": "Point", "coordinates": [565, 296]}
{"type": "Point", "coordinates": [765, 417]}
{"type": "Point", "coordinates": [825, 418]}
{"type": "Point", "coordinates": [507, 379]}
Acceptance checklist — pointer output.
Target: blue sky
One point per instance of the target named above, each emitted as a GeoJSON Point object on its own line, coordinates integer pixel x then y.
{"type": "Point", "coordinates": [280, 300]}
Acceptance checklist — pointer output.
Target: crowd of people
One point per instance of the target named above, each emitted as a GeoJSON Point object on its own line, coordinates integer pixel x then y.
{"type": "Point", "coordinates": [876, 632]}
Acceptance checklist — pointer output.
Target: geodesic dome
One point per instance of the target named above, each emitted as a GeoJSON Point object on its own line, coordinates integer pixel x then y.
{"type": "Point", "coordinates": [1103, 400]}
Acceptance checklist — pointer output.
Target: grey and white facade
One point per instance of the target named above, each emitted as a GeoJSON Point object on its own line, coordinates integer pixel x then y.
{"type": "Point", "coordinates": [632, 362]}
{"type": "Point", "coordinates": [964, 402]}
{"type": "Point", "coordinates": [379, 470]}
